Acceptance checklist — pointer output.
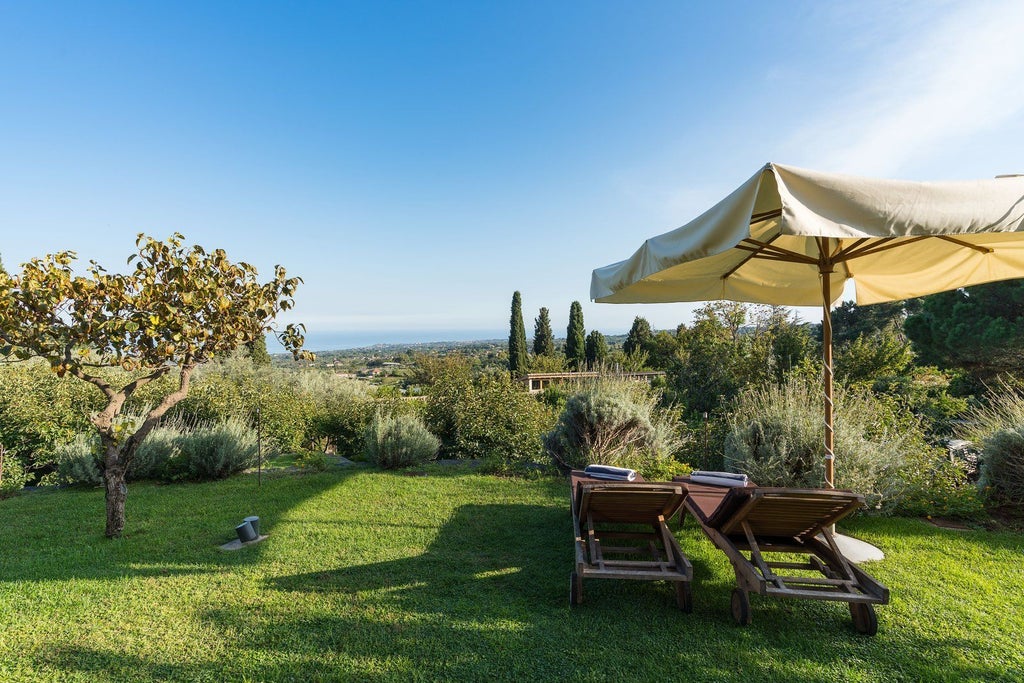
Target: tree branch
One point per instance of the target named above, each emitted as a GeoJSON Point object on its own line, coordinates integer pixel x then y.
{"type": "Point", "coordinates": [169, 401]}
{"type": "Point", "coordinates": [131, 387]}
{"type": "Point", "coordinates": [99, 382]}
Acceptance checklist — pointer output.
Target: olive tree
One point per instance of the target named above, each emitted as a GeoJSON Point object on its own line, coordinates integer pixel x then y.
{"type": "Point", "coordinates": [176, 308]}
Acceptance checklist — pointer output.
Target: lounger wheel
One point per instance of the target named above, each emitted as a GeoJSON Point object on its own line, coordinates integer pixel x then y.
{"type": "Point", "coordinates": [684, 596]}
{"type": "Point", "coordinates": [575, 589]}
{"type": "Point", "coordinates": [741, 607]}
{"type": "Point", "coordinates": [864, 618]}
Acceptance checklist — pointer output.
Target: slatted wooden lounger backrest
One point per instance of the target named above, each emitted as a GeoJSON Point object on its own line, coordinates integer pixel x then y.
{"type": "Point", "coordinates": [791, 513]}
{"type": "Point", "coordinates": [629, 502]}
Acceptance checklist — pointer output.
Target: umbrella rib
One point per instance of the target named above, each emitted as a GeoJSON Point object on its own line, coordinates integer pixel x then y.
{"type": "Point", "coordinates": [767, 251]}
{"type": "Point", "coordinates": [770, 256]}
{"type": "Point", "coordinates": [755, 251]}
{"type": "Point", "coordinates": [760, 246]}
{"type": "Point", "coordinates": [856, 250]}
{"type": "Point", "coordinates": [875, 248]}
{"type": "Point", "coordinates": [764, 215]}
{"type": "Point", "coordinates": [975, 247]}
{"type": "Point", "coordinates": [842, 253]}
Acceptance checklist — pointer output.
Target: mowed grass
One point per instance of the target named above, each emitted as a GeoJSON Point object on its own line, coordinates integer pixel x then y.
{"type": "Point", "coordinates": [374, 576]}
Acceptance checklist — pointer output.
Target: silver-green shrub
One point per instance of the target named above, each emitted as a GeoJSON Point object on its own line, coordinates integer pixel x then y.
{"type": "Point", "coordinates": [215, 451]}
{"type": "Point", "coordinates": [306, 408]}
{"type": "Point", "coordinates": [614, 422]}
{"type": "Point", "coordinates": [1002, 466]}
{"type": "Point", "coordinates": [998, 426]}
{"type": "Point", "coordinates": [156, 452]}
{"type": "Point", "coordinates": [399, 441]}
{"type": "Point", "coordinates": [78, 461]}
{"type": "Point", "coordinates": [776, 436]}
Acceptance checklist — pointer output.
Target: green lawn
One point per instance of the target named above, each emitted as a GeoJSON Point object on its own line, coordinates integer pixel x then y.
{"type": "Point", "coordinates": [378, 576]}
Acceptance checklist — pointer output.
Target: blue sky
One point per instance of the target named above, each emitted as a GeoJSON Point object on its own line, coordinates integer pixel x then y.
{"type": "Point", "coordinates": [417, 162]}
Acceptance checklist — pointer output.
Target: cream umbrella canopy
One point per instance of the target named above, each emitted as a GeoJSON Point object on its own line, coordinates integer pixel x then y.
{"type": "Point", "coordinates": [793, 237]}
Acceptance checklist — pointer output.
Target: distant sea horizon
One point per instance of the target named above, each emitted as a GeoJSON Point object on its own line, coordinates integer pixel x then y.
{"type": "Point", "coordinates": [335, 340]}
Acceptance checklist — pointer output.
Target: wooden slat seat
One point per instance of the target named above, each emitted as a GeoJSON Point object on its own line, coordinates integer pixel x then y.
{"type": "Point", "coordinates": [621, 533]}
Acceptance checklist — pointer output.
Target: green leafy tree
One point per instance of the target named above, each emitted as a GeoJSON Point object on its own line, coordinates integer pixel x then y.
{"type": "Point", "coordinates": [628, 362]}
{"type": "Point", "coordinates": [792, 347]}
{"type": "Point", "coordinates": [489, 416]}
{"type": "Point", "coordinates": [714, 360]}
{"type": "Point", "coordinates": [575, 338]}
{"type": "Point", "coordinates": [39, 411]}
{"type": "Point", "coordinates": [430, 368]}
{"type": "Point", "coordinates": [979, 329]}
{"type": "Point", "coordinates": [596, 350]}
{"type": "Point", "coordinates": [517, 358]}
{"type": "Point", "coordinates": [553, 363]}
{"type": "Point", "coordinates": [176, 309]}
{"type": "Point", "coordinates": [661, 349]}
{"type": "Point", "coordinates": [871, 357]}
{"type": "Point", "coordinates": [850, 321]}
{"type": "Point", "coordinates": [640, 335]}
{"type": "Point", "coordinates": [543, 340]}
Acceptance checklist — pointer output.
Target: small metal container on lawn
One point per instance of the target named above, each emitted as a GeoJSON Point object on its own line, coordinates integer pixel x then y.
{"type": "Point", "coordinates": [254, 522]}
{"type": "Point", "coordinates": [245, 532]}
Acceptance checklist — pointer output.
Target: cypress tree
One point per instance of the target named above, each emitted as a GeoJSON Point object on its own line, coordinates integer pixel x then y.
{"type": "Point", "coordinates": [258, 353]}
{"type": "Point", "coordinates": [517, 338]}
{"type": "Point", "coordinates": [575, 342]}
{"type": "Point", "coordinates": [639, 336]}
{"type": "Point", "coordinates": [597, 350]}
{"type": "Point", "coordinates": [543, 339]}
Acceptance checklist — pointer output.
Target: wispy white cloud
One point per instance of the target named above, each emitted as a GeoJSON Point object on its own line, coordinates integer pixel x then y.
{"type": "Point", "coordinates": [951, 77]}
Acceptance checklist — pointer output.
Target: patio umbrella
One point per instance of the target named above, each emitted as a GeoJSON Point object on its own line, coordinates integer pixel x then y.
{"type": "Point", "coordinates": [793, 237]}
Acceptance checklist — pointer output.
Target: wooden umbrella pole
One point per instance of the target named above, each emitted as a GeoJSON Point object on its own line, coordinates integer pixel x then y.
{"type": "Point", "coordinates": [825, 268]}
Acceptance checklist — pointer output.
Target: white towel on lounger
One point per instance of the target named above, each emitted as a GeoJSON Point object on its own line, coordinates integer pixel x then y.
{"type": "Point", "coordinates": [718, 478]}
{"type": "Point", "coordinates": [610, 473]}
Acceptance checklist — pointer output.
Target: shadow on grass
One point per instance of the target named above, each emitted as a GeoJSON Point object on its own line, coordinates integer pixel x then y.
{"type": "Point", "coordinates": [172, 529]}
{"type": "Point", "coordinates": [488, 600]}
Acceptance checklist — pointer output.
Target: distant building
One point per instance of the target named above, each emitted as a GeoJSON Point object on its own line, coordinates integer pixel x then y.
{"type": "Point", "coordinates": [537, 382]}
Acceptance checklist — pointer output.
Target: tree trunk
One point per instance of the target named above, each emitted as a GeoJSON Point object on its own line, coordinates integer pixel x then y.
{"type": "Point", "coordinates": [117, 494]}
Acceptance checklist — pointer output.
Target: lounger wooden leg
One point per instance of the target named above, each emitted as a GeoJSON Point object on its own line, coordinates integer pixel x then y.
{"type": "Point", "coordinates": [684, 596]}
{"type": "Point", "coordinates": [575, 589]}
{"type": "Point", "coordinates": [758, 559]}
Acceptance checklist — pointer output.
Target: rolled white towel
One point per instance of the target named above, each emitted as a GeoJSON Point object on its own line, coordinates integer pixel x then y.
{"type": "Point", "coordinates": [609, 472]}
{"type": "Point", "coordinates": [720, 475]}
{"type": "Point", "coordinates": [704, 478]}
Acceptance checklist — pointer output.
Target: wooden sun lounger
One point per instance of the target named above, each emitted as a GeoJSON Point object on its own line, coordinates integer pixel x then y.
{"type": "Point", "coordinates": [621, 533]}
{"type": "Point", "coordinates": [759, 520]}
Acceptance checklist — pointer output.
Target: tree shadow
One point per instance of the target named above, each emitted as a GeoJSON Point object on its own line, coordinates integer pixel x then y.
{"type": "Point", "coordinates": [173, 529]}
{"type": "Point", "coordinates": [488, 600]}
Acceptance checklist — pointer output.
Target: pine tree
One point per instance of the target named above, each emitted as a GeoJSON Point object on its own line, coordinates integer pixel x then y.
{"type": "Point", "coordinates": [543, 339]}
{"type": "Point", "coordinates": [640, 335]}
{"type": "Point", "coordinates": [597, 350]}
{"type": "Point", "coordinates": [517, 360]}
{"type": "Point", "coordinates": [575, 342]}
